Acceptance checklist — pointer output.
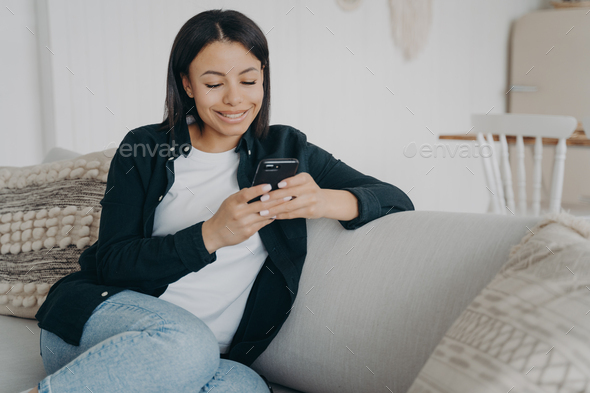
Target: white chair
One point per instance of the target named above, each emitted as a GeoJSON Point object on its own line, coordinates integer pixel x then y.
{"type": "Point", "coordinates": [499, 178]}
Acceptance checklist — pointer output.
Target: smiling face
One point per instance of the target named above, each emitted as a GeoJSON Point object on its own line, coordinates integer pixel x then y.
{"type": "Point", "coordinates": [224, 78]}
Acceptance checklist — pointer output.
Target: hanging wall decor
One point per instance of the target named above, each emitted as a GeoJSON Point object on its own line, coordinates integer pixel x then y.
{"type": "Point", "coordinates": [410, 25]}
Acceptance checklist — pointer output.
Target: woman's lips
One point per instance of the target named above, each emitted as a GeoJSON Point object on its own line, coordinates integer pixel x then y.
{"type": "Point", "coordinates": [230, 120]}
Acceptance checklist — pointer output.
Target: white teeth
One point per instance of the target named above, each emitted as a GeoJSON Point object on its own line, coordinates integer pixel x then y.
{"type": "Point", "coordinates": [232, 116]}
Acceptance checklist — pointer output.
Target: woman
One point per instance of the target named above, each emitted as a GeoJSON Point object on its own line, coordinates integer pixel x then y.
{"type": "Point", "coordinates": [189, 283]}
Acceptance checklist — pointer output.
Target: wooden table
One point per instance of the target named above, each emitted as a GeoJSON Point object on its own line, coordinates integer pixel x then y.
{"type": "Point", "coordinates": [578, 138]}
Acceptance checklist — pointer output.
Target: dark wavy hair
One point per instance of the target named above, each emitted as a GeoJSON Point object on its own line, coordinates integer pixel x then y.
{"type": "Point", "coordinates": [227, 26]}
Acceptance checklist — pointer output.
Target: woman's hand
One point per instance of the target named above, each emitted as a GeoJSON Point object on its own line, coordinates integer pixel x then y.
{"type": "Point", "coordinates": [237, 220]}
{"type": "Point", "coordinates": [303, 198]}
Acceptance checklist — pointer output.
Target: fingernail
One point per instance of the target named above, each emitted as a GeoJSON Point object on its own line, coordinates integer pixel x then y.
{"type": "Point", "coordinates": [264, 212]}
{"type": "Point", "coordinates": [287, 198]}
{"type": "Point", "coordinates": [273, 217]}
{"type": "Point", "coordinates": [267, 187]}
{"type": "Point", "coordinates": [264, 197]}
{"type": "Point", "coordinates": [282, 184]}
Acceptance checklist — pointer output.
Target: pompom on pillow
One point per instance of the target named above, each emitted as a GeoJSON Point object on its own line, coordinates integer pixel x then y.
{"type": "Point", "coordinates": [529, 329]}
{"type": "Point", "coordinates": [49, 214]}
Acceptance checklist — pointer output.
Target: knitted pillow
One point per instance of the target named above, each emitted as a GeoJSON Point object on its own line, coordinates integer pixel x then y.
{"type": "Point", "coordinates": [49, 213]}
{"type": "Point", "coordinates": [529, 329]}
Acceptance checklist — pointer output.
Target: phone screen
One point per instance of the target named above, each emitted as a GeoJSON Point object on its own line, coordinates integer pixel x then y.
{"type": "Point", "coordinates": [274, 170]}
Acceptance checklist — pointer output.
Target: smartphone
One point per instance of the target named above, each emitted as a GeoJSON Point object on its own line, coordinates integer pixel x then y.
{"type": "Point", "coordinates": [274, 170]}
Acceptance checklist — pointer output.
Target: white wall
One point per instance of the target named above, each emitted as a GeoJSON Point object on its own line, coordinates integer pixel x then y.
{"type": "Point", "coordinates": [116, 55]}
{"type": "Point", "coordinates": [21, 138]}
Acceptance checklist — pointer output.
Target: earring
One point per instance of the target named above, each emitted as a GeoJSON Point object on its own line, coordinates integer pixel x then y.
{"type": "Point", "coordinates": [190, 95]}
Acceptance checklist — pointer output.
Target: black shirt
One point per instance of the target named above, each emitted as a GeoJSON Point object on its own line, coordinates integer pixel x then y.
{"type": "Point", "coordinates": [126, 256]}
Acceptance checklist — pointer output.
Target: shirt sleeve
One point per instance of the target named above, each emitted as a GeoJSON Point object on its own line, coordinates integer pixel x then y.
{"type": "Point", "coordinates": [124, 256]}
{"type": "Point", "coordinates": [375, 197]}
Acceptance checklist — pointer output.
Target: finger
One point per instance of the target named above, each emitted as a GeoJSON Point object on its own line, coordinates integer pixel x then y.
{"type": "Point", "coordinates": [293, 192]}
{"type": "Point", "coordinates": [262, 208]}
{"type": "Point", "coordinates": [303, 212]}
{"type": "Point", "coordinates": [287, 209]}
{"type": "Point", "coordinates": [298, 179]}
{"type": "Point", "coordinates": [260, 222]}
{"type": "Point", "coordinates": [252, 192]}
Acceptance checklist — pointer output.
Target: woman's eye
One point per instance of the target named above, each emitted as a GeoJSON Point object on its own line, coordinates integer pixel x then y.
{"type": "Point", "coordinates": [214, 86]}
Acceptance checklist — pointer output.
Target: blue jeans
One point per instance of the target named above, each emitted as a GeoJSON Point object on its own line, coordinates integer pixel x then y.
{"type": "Point", "coordinates": [135, 342]}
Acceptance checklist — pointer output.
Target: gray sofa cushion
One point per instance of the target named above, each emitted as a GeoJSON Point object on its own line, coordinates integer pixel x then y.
{"type": "Point", "coordinates": [21, 366]}
{"type": "Point", "coordinates": [373, 303]}
{"type": "Point", "coordinates": [528, 330]}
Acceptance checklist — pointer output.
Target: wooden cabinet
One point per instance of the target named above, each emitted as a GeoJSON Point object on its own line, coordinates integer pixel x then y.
{"type": "Point", "coordinates": [549, 73]}
{"type": "Point", "coordinates": [550, 63]}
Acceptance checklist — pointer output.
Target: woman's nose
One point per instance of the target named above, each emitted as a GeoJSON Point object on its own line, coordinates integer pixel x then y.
{"type": "Point", "coordinates": [233, 96]}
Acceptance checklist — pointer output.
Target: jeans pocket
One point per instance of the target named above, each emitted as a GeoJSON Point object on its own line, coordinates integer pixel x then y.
{"type": "Point", "coordinates": [105, 301]}
{"type": "Point", "coordinates": [101, 305]}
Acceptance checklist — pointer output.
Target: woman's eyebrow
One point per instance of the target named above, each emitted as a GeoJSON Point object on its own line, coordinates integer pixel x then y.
{"type": "Point", "coordinates": [222, 74]}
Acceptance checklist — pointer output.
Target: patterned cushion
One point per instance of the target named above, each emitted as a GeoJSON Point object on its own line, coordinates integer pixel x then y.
{"type": "Point", "coordinates": [49, 214]}
{"type": "Point", "coordinates": [529, 329]}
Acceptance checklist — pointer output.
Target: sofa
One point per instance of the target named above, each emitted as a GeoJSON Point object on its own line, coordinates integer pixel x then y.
{"type": "Point", "coordinates": [373, 303]}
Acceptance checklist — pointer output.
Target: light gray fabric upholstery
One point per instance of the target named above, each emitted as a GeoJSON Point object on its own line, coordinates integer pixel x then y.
{"type": "Point", "coordinates": [373, 303]}
{"type": "Point", "coordinates": [21, 366]}
{"type": "Point", "coordinates": [58, 153]}
{"type": "Point", "coordinates": [518, 333]}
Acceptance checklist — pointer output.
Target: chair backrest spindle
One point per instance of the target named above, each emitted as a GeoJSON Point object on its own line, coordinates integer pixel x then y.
{"type": "Point", "coordinates": [537, 167]}
{"type": "Point", "coordinates": [491, 183]}
{"type": "Point", "coordinates": [507, 174]}
{"type": "Point", "coordinates": [557, 181]}
{"type": "Point", "coordinates": [521, 175]}
{"type": "Point", "coordinates": [496, 174]}
{"type": "Point", "coordinates": [499, 181]}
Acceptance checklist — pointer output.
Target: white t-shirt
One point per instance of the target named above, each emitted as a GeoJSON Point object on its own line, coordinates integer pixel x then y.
{"type": "Point", "coordinates": [218, 292]}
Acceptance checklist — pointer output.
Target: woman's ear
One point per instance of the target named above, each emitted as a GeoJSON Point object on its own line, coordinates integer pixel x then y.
{"type": "Point", "coordinates": [186, 83]}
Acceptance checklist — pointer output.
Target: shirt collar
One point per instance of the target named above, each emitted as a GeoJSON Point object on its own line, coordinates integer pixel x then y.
{"type": "Point", "coordinates": [183, 139]}
{"type": "Point", "coordinates": [247, 138]}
